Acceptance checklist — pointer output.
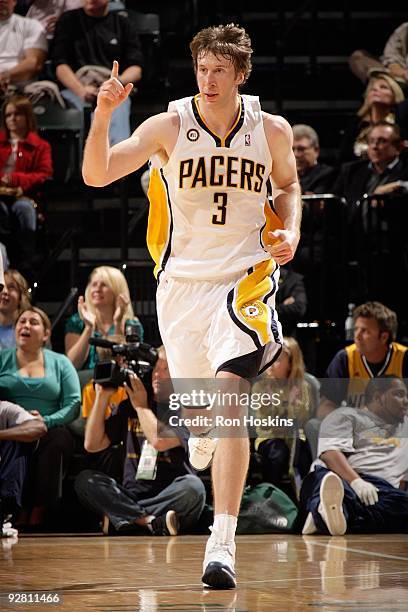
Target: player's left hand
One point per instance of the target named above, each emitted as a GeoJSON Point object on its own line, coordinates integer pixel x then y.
{"type": "Point", "coordinates": [283, 245]}
{"type": "Point", "coordinates": [136, 392]}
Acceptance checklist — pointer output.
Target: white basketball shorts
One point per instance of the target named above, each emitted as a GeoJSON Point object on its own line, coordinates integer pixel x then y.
{"type": "Point", "coordinates": [208, 326]}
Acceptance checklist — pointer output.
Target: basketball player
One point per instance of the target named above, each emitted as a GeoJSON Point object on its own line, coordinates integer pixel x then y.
{"type": "Point", "coordinates": [209, 232]}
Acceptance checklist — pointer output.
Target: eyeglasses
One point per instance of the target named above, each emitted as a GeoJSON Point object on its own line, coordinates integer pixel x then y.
{"type": "Point", "coordinates": [380, 140]}
{"type": "Point", "coordinates": [300, 149]}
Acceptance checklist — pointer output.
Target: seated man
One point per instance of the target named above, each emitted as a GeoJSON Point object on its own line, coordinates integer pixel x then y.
{"type": "Point", "coordinates": [16, 426]}
{"type": "Point", "coordinates": [158, 493]}
{"type": "Point", "coordinates": [380, 173]}
{"type": "Point", "coordinates": [93, 36]}
{"type": "Point", "coordinates": [374, 353]}
{"type": "Point", "coordinates": [314, 177]}
{"type": "Point", "coordinates": [23, 47]}
{"type": "Point", "coordinates": [363, 465]}
{"type": "Point", "coordinates": [291, 300]}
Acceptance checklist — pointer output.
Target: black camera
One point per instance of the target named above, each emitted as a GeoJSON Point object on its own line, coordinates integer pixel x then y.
{"type": "Point", "coordinates": [137, 357]}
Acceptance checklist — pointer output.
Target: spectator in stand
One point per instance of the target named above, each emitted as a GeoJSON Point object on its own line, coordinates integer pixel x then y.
{"type": "Point", "coordinates": [394, 58]}
{"type": "Point", "coordinates": [159, 496]}
{"type": "Point", "coordinates": [381, 99]}
{"type": "Point", "coordinates": [94, 36]}
{"type": "Point", "coordinates": [363, 465]}
{"type": "Point", "coordinates": [291, 300]}
{"type": "Point", "coordinates": [314, 177]}
{"type": "Point", "coordinates": [14, 298]}
{"type": "Point", "coordinates": [45, 382]}
{"type": "Point", "coordinates": [280, 454]}
{"type": "Point", "coordinates": [17, 428]}
{"type": "Point", "coordinates": [47, 12]}
{"type": "Point", "coordinates": [105, 310]}
{"type": "Point", "coordinates": [25, 165]}
{"type": "Point", "coordinates": [380, 173]}
{"type": "Point", "coordinates": [374, 353]}
{"type": "Point", "coordinates": [401, 114]}
{"type": "Point", "coordinates": [23, 48]}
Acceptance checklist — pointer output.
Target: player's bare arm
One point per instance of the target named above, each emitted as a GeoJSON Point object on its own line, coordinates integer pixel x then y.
{"type": "Point", "coordinates": [103, 164]}
{"type": "Point", "coordinates": [286, 190]}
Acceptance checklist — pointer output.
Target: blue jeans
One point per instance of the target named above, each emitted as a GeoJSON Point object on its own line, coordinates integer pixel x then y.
{"type": "Point", "coordinates": [389, 514]}
{"type": "Point", "coordinates": [23, 213]}
{"type": "Point", "coordinates": [120, 122]}
{"type": "Point", "coordinates": [102, 494]}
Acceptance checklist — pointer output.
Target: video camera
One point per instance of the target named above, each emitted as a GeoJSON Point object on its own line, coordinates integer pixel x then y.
{"type": "Point", "coordinates": [137, 357]}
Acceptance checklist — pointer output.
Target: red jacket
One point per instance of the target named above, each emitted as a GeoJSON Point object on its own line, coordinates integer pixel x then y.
{"type": "Point", "coordinates": [33, 163]}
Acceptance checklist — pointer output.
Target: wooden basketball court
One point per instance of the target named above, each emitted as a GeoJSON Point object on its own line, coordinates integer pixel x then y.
{"type": "Point", "coordinates": [275, 572]}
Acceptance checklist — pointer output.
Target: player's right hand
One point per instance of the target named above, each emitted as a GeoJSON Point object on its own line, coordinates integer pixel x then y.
{"type": "Point", "coordinates": [112, 93]}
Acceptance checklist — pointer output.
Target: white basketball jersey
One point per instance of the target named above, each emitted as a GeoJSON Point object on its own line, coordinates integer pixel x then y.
{"type": "Point", "coordinates": [209, 214]}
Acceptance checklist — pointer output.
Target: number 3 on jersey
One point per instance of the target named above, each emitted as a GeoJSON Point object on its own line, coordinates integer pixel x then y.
{"type": "Point", "coordinates": [219, 217]}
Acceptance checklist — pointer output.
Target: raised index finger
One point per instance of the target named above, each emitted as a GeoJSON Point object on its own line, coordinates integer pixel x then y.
{"type": "Point", "coordinates": [115, 70]}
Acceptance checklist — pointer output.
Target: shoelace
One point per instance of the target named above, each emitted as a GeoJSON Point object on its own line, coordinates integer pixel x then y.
{"type": "Point", "coordinates": [224, 552]}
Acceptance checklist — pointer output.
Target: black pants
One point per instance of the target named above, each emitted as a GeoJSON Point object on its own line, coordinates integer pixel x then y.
{"type": "Point", "coordinates": [13, 467]}
{"type": "Point", "coordinates": [47, 468]}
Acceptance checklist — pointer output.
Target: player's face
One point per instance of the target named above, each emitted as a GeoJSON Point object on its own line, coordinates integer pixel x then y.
{"type": "Point", "coordinates": [382, 146]}
{"type": "Point", "coordinates": [368, 337]}
{"type": "Point", "coordinates": [395, 402]}
{"type": "Point", "coordinates": [305, 153]}
{"type": "Point", "coordinates": [216, 78]}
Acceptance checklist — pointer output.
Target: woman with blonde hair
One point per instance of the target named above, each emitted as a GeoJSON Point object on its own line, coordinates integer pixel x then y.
{"type": "Point", "coordinates": [105, 310]}
{"type": "Point", "coordinates": [276, 446]}
{"type": "Point", "coordinates": [381, 97]}
{"type": "Point", "coordinates": [14, 298]}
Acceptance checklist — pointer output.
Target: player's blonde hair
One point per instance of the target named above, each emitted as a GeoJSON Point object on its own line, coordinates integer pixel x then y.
{"type": "Point", "coordinates": [229, 41]}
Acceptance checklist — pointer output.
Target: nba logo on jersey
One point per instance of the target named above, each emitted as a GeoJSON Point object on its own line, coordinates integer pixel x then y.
{"type": "Point", "coordinates": [193, 135]}
{"type": "Point", "coordinates": [247, 140]}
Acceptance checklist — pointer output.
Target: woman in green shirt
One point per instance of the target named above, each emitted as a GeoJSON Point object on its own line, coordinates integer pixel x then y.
{"type": "Point", "coordinates": [105, 311]}
{"type": "Point", "coordinates": [46, 383]}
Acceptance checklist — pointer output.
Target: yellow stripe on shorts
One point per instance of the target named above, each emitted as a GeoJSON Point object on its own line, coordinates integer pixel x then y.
{"type": "Point", "coordinates": [248, 304]}
{"type": "Point", "coordinates": [158, 228]}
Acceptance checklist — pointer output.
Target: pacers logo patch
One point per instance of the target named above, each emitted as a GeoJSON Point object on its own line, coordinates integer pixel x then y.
{"type": "Point", "coordinates": [253, 310]}
{"type": "Point", "coordinates": [192, 135]}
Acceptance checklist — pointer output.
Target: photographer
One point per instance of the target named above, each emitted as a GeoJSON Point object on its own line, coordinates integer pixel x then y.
{"type": "Point", "coordinates": [158, 494]}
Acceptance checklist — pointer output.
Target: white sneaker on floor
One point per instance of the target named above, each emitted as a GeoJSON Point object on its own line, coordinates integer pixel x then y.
{"type": "Point", "coordinates": [331, 504]}
{"type": "Point", "coordinates": [8, 531]}
{"type": "Point", "coordinates": [218, 566]}
{"type": "Point", "coordinates": [310, 526]}
{"type": "Point", "coordinates": [201, 451]}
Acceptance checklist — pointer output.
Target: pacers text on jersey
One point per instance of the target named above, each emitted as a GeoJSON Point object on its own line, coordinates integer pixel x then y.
{"type": "Point", "coordinates": [221, 171]}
